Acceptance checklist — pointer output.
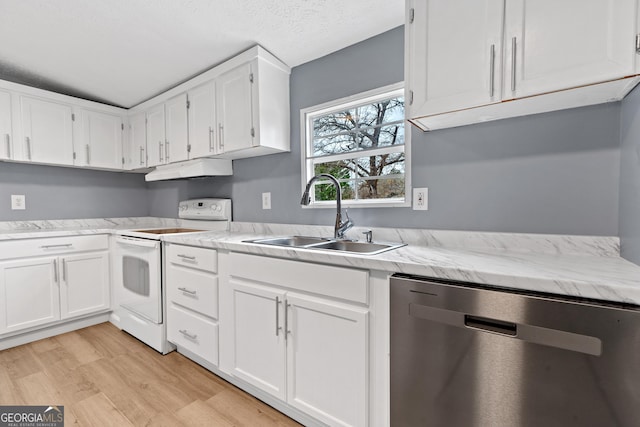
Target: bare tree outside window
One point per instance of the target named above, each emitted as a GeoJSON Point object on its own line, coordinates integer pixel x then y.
{"type": "Point", "coordinates": [363, 147]}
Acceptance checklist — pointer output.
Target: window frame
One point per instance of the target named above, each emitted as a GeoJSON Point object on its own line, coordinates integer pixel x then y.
{"type": "Point", "coordinates": [306, 141]}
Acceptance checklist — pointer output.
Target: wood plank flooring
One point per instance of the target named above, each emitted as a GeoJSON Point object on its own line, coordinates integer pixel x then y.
{"type": "Point", "coordinates": [105, 377]}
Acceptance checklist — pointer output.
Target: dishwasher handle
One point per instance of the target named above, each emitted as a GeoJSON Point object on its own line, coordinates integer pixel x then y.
{"type": "Point", "coordinates": [491, 325]}
{"type": "Point", "coordinates": [529, 333]}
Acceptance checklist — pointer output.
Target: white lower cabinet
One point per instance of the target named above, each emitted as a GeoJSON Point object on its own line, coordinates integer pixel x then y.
{"type": "Point", "coordinates": [29, 294]}
{"type": "Point", "coordinates": [308, 350]}
{"type": "Point", "coordinates": [259, 346]}
{"type": "Point", "coordinates": [192, 300]}
{"type": "Point", "coordinates": [84, 284]}
{"type": "Point", "coordinates": [327, 360]}
{"type": "Point", "coordinates": [47, 282]}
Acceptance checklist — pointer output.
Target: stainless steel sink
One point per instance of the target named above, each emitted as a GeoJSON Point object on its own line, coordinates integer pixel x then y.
{"type": "Point", "coordinates": [358, 247]}
{"type": "Point", "coordinates": [322, 243]}
{"type": "Point", "coordinates": [295, 241]}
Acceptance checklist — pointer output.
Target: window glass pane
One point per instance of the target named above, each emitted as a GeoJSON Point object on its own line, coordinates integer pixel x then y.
{"type": "Point", "coordinates": [382, 136]}
{"type": "Point", "coordinates": [327, 191]}
{"type": "Point", "coordinates": [380, 112]}
{"type": "Point", "coordinates": [335, 144]}
{"type": "Point", "coordinates": [333, 123]}
{"type": "Point", "coordinates": [381, 188]}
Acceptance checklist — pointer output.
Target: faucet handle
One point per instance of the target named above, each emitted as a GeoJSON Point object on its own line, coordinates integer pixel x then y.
{"type": "Point", "coordinates": [369, 235]}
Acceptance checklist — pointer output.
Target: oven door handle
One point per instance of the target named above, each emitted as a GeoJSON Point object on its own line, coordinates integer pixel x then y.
{"type": "Point", "coordinates": [137, 242]}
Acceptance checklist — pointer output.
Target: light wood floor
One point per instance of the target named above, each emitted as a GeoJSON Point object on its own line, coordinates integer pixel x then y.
{"type": "Point", "coordinates": [105, 377]}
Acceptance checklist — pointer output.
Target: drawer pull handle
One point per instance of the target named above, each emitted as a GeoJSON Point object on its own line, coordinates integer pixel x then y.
{"type": "Point", "coordinates": [187, 291]}
{"type": "Point", "coordinates": [187, 334]}
{"type": "Point", "coordinates": [66, 245]}
{"type": "Point", "coordinates": [189, 257]}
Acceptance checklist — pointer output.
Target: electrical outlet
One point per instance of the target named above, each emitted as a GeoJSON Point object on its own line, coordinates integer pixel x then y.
{"type": "Point", "coordinates": [420, 199]}
{"type": "Point", "coordinates": [18, 202]}
{"type": "Point", "coordinates": [266, 200]}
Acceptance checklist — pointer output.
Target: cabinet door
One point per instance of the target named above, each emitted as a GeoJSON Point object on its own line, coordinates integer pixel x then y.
{"type": "Point", "coordinates": [29, 294]}
{"type": "Point", "coordinates": [138, 141]}
{"type": "Point", "coordinates": [84, 285]}
{"type": "Point", "coordinates": [552, 45]}
{"type": "Point", "coordinates": [47, 130]}
{"type": "Point", "coordinates": [258, 337]}
{"type": "Point", "coordinates": [6, 134]}
{"type": "Point", "coordinates": [176, 128]}
{"type": "Point", "coordinates": [155, 136]}
{"type": "Point", "coordinates": [102, 137]}
{"type": "Point", "coordinates": [454, 52]}
{"type": "Point", "coordinates": [202, 115]}
{"type": "Point", "coordinates": [327, 360]}
{"type": "Point", "coordinates": [234, 109]}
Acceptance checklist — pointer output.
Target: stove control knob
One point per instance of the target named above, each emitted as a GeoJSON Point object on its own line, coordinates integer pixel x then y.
{"type": "Point", "coordinates": [183, 208]}
{"type": "Point", "coordinates": [218, 208]}
{"type": "Point", "coordinates": [214, 207]}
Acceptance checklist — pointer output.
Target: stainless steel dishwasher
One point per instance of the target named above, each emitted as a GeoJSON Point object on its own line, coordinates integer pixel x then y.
{"type": "Point", "coordinates": [465, 355]}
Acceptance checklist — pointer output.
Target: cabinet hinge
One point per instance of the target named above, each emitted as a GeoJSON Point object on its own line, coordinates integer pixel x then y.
{"type": "Point", "coordinates": [251, 77]}
{"type": "Point", "coordinates": [188, 104]}
{"type": "Point", "coordinates": [74, 155]}
{"type": "Point", "coordinates": [412, 15]}
{"type": "Point", "coordinates": [637, 43]}
{"type": "Point", "coordinates": [122, 126]}
{"type": "Point", "coordinates": [253, 132]}
{"type": "Point", "coordinates": [123, 160]}
{"type": "Point", "coordinates": [188, 148]}
{"type": "Point", "coordinates": [146, 120]}
{"type": "Point", "coordinates": [73, 117]}
{"type": "Point", "coordinates": [410, 97]}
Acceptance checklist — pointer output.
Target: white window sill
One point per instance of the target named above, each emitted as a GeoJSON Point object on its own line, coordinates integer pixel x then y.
{"type": "Point", "coordinates": [356, 205]}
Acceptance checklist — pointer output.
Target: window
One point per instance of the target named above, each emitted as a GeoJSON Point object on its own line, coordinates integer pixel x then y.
{"type": "Point", "coordinates": [361, 141]}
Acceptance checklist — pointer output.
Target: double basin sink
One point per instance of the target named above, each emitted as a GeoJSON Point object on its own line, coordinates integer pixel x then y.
{"type": "Point", "coordinates": [308, 242]}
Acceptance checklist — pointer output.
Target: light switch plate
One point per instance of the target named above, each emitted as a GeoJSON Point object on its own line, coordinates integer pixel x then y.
{"type": "Point", "coordinates": [266, 200]}
{"type": "Point", "coordinates": [18, 202]}
{"type": "Point", "coordinates": [420, 199]}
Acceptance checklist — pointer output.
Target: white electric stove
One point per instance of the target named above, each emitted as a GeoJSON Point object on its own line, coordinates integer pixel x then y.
{"type": "Point", "coordinates": [139, 275]}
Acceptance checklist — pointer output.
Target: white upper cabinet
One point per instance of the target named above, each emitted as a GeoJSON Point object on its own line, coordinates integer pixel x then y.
{"type": "Point", "coordinates": [235, 110]}
{"type": "Point", "coordinates": [203, 137]}
{"type": "Point", "coordinates": [552, 45]}
{"type": "Point", "coordinates": [47, 131]}
{"type": "Point", "coordinates": [235, 122]}
{"type": "Point", "coordinates": [101, 143]}
{"type": "Point", "coordinates": [546, 55]}
{"type": "Point", "coordinates": [137, 146]}
{"type": "Point", "coordinates": [156, 151]}
{"type": "Point", "coordinates": [457, 47]}
{"type": "Point", "coordinates": [176, 138]}
{"type": "Point", "coordinates": [6, 134]}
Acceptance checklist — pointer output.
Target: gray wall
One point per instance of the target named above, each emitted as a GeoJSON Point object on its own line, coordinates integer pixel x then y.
{"type": "Point", "coordinates": [67, 193]}
{"type": "Point", "coordinates": [630, 177]}
{"type": "Point", "coordinates": [549, 173]}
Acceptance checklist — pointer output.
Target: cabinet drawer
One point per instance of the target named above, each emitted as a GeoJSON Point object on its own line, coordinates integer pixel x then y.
{"type": "Point", "coordinates": [200, 258]}
{"type": "Point", "coordinates": [338, 282]}
{"type": "Point", "coordinates": [193, 332]}
{"type": "Point", "coordinates": [52, 246]}
{"type": "Point", "coordinates": [194, 289]}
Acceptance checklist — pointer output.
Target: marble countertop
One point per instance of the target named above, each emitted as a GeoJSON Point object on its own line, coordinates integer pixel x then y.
{"type": "Point", "coordinates": [588, 274]}
{"type": "Point", "coordinates": [580, 266]}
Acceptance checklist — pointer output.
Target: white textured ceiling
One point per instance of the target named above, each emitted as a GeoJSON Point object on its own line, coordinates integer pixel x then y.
{"type": "Point", "coordinates": [124, 52]}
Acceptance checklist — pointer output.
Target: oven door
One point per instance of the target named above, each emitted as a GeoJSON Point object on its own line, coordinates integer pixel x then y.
{"type": "Point", "coordinates": [138, 277]}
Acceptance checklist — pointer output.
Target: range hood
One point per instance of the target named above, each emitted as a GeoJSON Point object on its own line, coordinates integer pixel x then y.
{"type": "Point", "coordinates": [191, 169]}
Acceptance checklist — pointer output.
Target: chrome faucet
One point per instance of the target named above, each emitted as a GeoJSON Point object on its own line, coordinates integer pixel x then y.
{"type": "Point", "coordinates": [340, 226]}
